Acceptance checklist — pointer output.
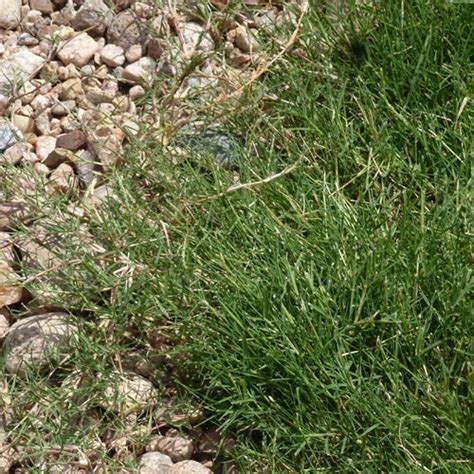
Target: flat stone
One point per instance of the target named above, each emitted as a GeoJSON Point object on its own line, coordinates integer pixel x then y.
{"type": "Point", "coordinates": [71, 140]}
{"type": "Point", "coordinates": [79, 50]}
{"type": "Point", "coordinates": [19, 67]}
{"type": "Point", "coordinates": [33, 340]}
{"type": "Point", "coordinates": [23, 123]}
{"type": "Point", "coordinates": [10, 14]}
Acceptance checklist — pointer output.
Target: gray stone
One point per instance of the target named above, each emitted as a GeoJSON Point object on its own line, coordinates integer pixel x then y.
{"type": "Point", "coordinates": [93, 16]}
{"type": "Point", "coordinates": [190, 467]}
{"type": "Point", "coordinates": [10, 14]}
{"type": "Point", "coordinates": [112, 55]}
{"type": "Point", "coordinates": [33, 340]}
{"type": "Point", "coordinates": [8, 135]}
{"type": "Point", "coordinates": [155, 463]}
{"type": "Point", "coordinates": [218, 144]}
{"type": "Point", "coordinates": [196, 38]}
{"type": "Point", "coordinates": [125, 30]}
{"type": "Point", "coordinates": [18, 68]}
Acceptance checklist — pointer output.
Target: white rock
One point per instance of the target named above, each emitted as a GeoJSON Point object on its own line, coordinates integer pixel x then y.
{"type": "Point", "coordinates": [140, 71]}
{"type": "Point", "coordinates": [155, 463]}
{"type": "Point", "coordinates": [112, 55]}
{"type": "Point", "coordinates": [19, 67]}
{"type": "Point", "coordinates": [177, 448]}
{"type": "Point", "coordinates": [34, 339]}
{"type": "Point", "coordinates": [128, 393]}
{"type": "Point", "coordinates": [44, 146]}
{"type": "Point", "coordinates": [10, 14]}
{"type": "Point", "coordinates": [190, 467]}
{"type": "Point", "coordinates": [196, 38]}
{"type": "Point", "coordinates": [79, 50]}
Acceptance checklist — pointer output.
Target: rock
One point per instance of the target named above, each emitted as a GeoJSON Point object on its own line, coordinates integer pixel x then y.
{"type": "Point", "coordinates": [126, 30]}
{"type": "Point", "coordinates": [10, 291]}
{"type": "Point", "coordinates": [4, 328]}
{"type": "Point", "coordinates": [42, 123]}
{"type": "Point", "coordinates": [11, 212]}
{"type": "Point", "coordinates": [85, 166]}
{"type": "Point", "coordinates": [19, 67]}
{"type": "Point", "coordinates": [10, 14]}
{"type": "Point", "coordinates": [106, 143]}
{"type": "Point", "coordinates": [216, 143]}
{"type": "Point", "coordinates": [8, 135]}
{"type": "Point", "coordinates": [154, 48]}
{"type": "Point", "coordinates": [71, 140]}
{"type": "Point", "coordinates": [23, 123]}
{"type": "Point", "coordinates": [63, 108]}
{"type": "Point", "coordinates": [62, 179]}
{"type": "Point", "coordinates": [134, 53]}
{"type": "Point", "coordinates": [155, 463]}
{"type": "Point", "coordinates": [136, 92]}
{"type": "Point", "coordinates": [140, 71]}
{"type": "Point", "coordinates": [44, 146]}
{"type": "Point", "coordinates": [196, 38]}
{"type": "Point", "coordinates": [43, 6]}
{"type": "Point", "coordinates": [127, 393]}
{"type": "Point", "coordinates": [35, 339]}
{"type": "Point", "coordinates": [245, 39]}
{"type": "Point", "coordinates": [71, 89]}
{"type": "Point", "coordinates": [190, 467]}
{"type": "Point", "coordinates": [58, 156]}
{"type": "Point", "coordinates": [93, 16]}
{"type": "Point", "coordinates": [79, 50]}
{"type": "Point", "coordinates": [14, 154]}
{"type": "Point", "coordinates": [7, 457]}
{"type": "Point", "coordinates": [177, 448]}
{"type": "Point", "coordinates": [112, 55]}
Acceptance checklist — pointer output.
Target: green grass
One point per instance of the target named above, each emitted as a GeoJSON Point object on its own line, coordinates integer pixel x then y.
{"type": "Point", "coordinates": [323, 319]}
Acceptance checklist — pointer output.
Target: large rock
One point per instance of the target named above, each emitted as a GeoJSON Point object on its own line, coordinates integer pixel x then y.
{"type": "Point", "coordinates": [93, 16]}
{"type": "Point", "coordinates": [155, 463]}
{"type": "Point", "coordinates": [125, 30]}
{"type": "Point", "coordinates": [78, 50]}
{"type": "Point", "coordinates": [34, 340]}
{"type": "Point", "coordinates": [10, 14]}
{"type": "Point", "coordinates": [19, 67]}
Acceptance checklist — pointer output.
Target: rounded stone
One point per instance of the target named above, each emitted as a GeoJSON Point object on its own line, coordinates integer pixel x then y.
{"type": "Point", "coordinates": [33, 340]}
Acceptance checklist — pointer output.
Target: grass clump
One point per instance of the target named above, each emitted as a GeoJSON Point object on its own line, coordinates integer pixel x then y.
{"type": "Point", "coordinates": [323, 317]}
